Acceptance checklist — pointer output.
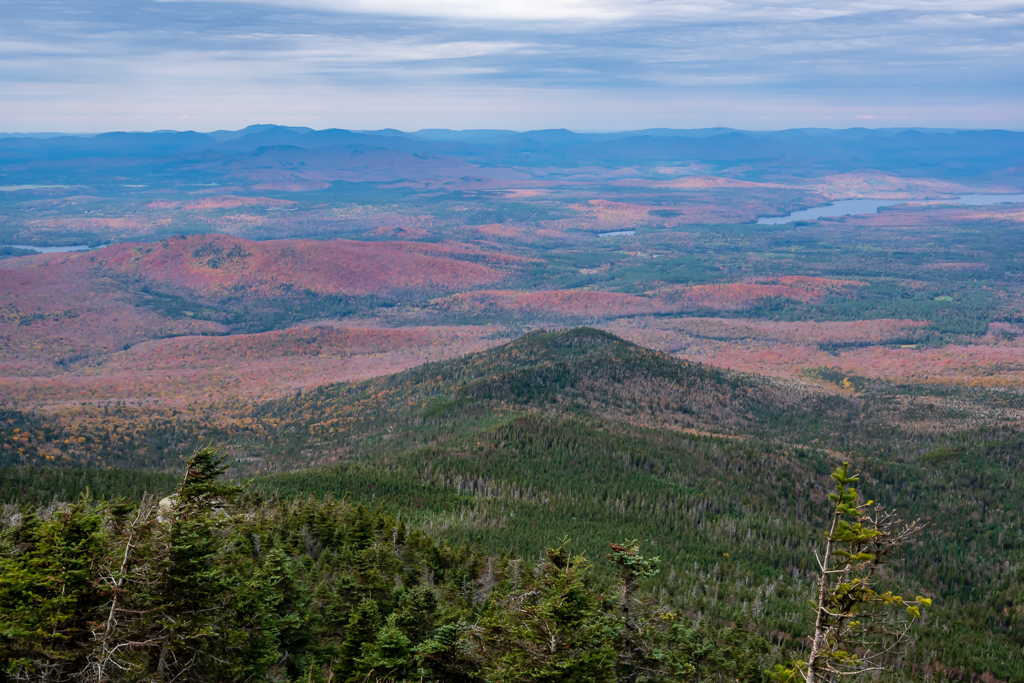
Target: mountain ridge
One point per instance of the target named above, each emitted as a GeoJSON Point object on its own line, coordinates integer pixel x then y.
{"type": "Point", "coordinates": [959, 153]}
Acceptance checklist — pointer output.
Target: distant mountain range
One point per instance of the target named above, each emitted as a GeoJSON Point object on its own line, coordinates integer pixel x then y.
{"type": "Point", "coordinates": [751, 155]}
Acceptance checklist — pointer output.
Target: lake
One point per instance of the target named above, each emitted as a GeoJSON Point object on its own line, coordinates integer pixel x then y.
{"type": "Point", "coordinates": [853, 207]}
{"type": "Point", "coordinates": [616, 233]}
{"type": "Point", "coordinates": [15, 188]}
{"type": "Point", "coordinates": [52, 250]}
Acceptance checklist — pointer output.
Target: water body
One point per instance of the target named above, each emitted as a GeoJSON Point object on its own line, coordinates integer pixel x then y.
{"type": "Point", "coordinates": [981, 199]}
{"type": "Point", "coordinates": [15, 188]}
{"type": "Point", "coordinates": [854, 207]}
{"type": "Point", "coordinates": [616, 233]}
{"type": "Point", "coordinates": [53, 250]}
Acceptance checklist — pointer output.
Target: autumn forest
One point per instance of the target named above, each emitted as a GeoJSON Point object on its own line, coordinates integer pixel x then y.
{"type": "Point", "coordinates": [422, 386]}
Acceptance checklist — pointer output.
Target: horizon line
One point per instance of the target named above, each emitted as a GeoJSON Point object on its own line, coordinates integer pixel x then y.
{"type": "Point", "coordinates": [500, 131]}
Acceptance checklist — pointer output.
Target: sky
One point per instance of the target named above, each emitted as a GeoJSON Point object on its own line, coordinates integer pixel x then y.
{"type": "Point", "coordinates": [586, 65]}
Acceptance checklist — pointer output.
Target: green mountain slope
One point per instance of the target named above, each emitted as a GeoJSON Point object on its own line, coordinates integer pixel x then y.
{"type": "Point", "coordinates": [579, 434]}
{"type": "Point", "coordinates": [578, 371]}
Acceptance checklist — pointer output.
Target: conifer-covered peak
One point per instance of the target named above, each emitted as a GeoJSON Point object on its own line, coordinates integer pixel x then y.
{"type": "Point", "coordinates": [576, 371]}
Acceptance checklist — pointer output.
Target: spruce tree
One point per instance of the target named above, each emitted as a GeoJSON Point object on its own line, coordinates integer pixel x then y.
{"type": "Point", "coordinates": [48, 596]}
{"type": "Point", "coordinates": [192, 589]}
{"type": "Point", "coordinates": [553, 630]}
{"type": "Point", "coordinates": [856, 626]}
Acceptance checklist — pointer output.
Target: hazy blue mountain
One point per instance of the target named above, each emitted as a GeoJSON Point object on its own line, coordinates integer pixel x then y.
{"type": "Point", "coordinates": [936, 153]}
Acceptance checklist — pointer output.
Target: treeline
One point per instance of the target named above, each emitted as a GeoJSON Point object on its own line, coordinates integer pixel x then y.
{"type": "Point", "coordinates": [969, 313]}
{"type": "Point", "coordinates": [213, 584]}
{"type": "Point", "coordinates": [41, 486]}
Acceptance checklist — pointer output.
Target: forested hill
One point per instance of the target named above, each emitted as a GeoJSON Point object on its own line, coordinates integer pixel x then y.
{"type": "Point", "coordinates": [577, 371]}
{"type": "Point", "coordinates": [579, 434]}
{"type": "Point", "coordinates": [574, 371]}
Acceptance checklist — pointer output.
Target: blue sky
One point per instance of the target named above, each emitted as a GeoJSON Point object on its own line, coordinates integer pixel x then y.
{"type": "Point", "coordinates": [95, 65]}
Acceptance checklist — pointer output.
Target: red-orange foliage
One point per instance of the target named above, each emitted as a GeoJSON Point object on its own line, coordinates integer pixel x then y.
{"type": "Point", "coordinates": [306, 341]}
{"type": "Point", "coordinates": [219, 265]}
{"type": "Point", "coordinates": [886, 185]}
{"type": "Point", "coordinates": [706, 182]}
{"type": "Point", "coordinates": [220, 370]}
{"type": "Point", "coordinates": [122, 225]}
{"type": "Point", "coordinates": [572, 303]}
{"type": "Point", "coordinates": [500, 230]}
{"type": "Point", "coordinates": [757, 330]}
{"type": "Point", "coordinates": [971, 364]}
{"type": "Point", "coordinates": [703, 204]}
{"type": "Point", "coordinates": [601, 215]}
{"type": "Point", "coordinates": [735, 296]}
{"type": "Point", "coordinates": [226, 201]}
{"type": "Point", "coordinates": [51, 315]}
{"type": "Point", "coordinates": [787, 348]}
{"type": "Point", "coordinates": [582, 303]}
{"type": "Point", "coordinates": [58, 309]}
{"type": "Point", "coordinates": [229, 201]}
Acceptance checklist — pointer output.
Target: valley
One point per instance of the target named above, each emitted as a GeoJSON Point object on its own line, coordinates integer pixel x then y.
{"type": "Point", "coordinates": [541, 337]}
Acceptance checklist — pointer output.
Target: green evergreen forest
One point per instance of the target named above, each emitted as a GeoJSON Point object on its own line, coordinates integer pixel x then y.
{"type": "Point", "coordinates": [214, 584]}
{"type": "Point", "coordinates": [459, 521]}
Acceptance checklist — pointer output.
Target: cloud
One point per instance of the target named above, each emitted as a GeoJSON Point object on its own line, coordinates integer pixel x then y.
{"type": "Point", "coordinates": [635, 11]}
{"type": "Point", "coordinates": [576, 63]}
